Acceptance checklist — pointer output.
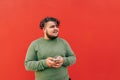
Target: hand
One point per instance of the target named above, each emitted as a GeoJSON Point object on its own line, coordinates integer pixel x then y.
{"type": "Point", "coordinates": [50, 62]}
{"type": "Point", "coordinates": [59, 61]}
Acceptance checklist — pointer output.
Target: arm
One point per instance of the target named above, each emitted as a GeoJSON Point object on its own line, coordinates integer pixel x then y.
{"type": "Point", "coordinates": [70, 57]}
{"type": "Point", "coordinates": [31, 63]}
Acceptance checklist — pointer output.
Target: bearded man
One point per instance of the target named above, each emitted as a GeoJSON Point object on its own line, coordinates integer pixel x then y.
{"type": "Point", "coordinates": [49, 56]}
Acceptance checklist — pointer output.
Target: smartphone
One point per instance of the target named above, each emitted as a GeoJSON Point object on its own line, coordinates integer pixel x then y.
{"type": "Point", "coordinates": [55, 60]}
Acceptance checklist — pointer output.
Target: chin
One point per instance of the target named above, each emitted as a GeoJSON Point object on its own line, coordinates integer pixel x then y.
{"type": "Point", "coordinates": [51, 36]}
{"type": "Point", "coordinates": [54, 37]}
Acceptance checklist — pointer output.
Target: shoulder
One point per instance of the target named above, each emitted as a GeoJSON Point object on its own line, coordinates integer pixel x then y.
{"type": "Point", "coordinates": [64, 41]}
{"type": "Point", "coordinates": [35, 42]}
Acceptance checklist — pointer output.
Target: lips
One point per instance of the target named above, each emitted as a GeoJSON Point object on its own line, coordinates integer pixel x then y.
{"type": "Point", "coordinates": [55, 31]}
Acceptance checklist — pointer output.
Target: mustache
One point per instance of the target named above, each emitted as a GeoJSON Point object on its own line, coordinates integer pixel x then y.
{"type": "Point", "coordinates": [55, 31]}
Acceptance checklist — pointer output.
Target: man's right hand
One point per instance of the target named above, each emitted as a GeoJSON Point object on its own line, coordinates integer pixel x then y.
{"type": "Point", "coordinates": [50, 62]}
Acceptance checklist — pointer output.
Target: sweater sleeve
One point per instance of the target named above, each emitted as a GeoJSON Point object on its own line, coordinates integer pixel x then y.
{"type": "Point", "coordinates": [31, 63]}
{"type": "Point", "coordinates": [70, 57]}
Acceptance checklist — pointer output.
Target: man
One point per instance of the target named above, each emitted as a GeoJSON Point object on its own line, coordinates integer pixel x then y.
{"type": "Point", "coordinates": [49, 56]}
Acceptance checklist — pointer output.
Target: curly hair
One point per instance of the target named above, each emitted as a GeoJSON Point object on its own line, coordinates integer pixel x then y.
{"type": "Point", "coordinates": [47, 19]}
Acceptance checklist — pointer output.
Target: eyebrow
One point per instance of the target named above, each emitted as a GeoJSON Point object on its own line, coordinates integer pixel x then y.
{"type": "Point", "coordinates": [54, 25]}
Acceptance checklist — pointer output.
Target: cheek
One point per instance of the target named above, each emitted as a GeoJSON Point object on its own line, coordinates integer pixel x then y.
{"type": "Point", "coordinates": [49, 30]}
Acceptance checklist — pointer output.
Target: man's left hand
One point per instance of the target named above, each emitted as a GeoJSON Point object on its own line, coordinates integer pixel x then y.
{"type": "Point", "coordinates": [59, 61]}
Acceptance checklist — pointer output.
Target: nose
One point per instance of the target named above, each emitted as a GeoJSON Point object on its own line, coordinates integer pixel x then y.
{"type": "Point", "coordinates": [56, 27]}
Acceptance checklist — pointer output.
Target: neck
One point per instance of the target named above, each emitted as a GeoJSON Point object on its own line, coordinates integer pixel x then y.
{"type": "Point", "coordinates": [45, 37]}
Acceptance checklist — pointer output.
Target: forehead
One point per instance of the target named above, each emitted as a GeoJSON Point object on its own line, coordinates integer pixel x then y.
{"type": "Point", "coordinates": [50, 23]}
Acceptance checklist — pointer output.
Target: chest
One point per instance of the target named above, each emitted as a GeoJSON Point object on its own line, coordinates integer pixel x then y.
{"type": "Point", "coordinates": [51, 50]}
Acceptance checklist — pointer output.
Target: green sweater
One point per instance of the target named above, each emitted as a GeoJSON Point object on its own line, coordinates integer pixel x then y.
{"type": "Point", "coordinates": [40, 49]}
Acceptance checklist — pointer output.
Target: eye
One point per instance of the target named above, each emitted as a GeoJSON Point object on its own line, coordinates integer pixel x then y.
{"type": "Point", "coordinates": [52, 26]}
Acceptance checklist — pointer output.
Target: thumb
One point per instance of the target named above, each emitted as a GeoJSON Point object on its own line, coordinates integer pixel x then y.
{"type": "Point", "coordinates": [50, 58]}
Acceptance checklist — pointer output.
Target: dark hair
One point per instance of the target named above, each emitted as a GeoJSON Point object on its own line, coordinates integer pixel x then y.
{"type": "Point", "coordinates": [46, 19]}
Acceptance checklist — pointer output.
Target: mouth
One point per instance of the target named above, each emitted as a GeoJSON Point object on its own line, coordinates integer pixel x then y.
{"type": "Point", "coordinates": [55, 31]}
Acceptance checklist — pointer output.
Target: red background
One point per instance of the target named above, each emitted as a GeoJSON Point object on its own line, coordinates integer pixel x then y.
{"type": "Point", "coordinates": [92, 27]}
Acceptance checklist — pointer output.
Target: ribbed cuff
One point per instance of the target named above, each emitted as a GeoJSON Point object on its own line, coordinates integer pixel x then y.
{"type": "Point", "coordinates": [44, 64]}
{"type": "Point", "coordinates": [65, 61]}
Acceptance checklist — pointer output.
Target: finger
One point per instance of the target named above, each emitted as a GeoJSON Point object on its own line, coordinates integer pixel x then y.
{"type": "Point", "coordinates": [51, 61]}
{"type": "Point", "coordinates": [50, 58]}
{"type": "Point", "coordinates": [56, 66]}
{"type": "Point", "coordinates": [59, 57]}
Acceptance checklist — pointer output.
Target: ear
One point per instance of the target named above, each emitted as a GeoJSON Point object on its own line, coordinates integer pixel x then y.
{"type": "Point", "coordinates": [44, 30]}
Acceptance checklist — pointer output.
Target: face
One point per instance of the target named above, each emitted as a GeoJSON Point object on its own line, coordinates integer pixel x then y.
{"type": "Point", "coordinates": [51, 30]}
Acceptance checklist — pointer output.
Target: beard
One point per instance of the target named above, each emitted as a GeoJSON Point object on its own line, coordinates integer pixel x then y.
{"type": "Point", "coordinates": [50, 36]}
